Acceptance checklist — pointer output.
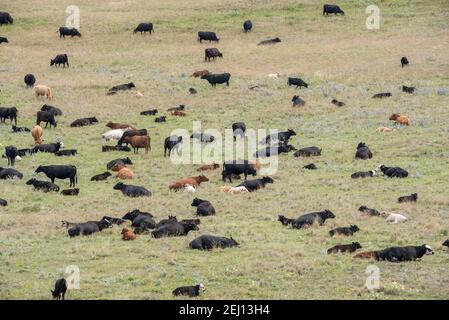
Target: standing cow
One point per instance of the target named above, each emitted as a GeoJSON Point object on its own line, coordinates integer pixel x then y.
{"type": "Point", "coordinates": [247, 25]}
{"type": "Point", "coordinates": [64, 31]}
{"type": "Point", "coordinates": [208, 35]}
{"type": "Point", "coordinates": [332, 8]}
{"type": "Point", "coordinates": [212, 53]}
{"type": "Point", "coordinates": [60, 172]}
{"type": "Point", "coordinates": [60, 59]}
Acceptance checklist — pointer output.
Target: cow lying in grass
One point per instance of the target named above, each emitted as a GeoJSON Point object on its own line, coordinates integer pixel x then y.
{"type": "Point", "coordinates": [253, 185]}
{"type": "Point", "coordinates": [344, 248]}
{"type": "Point", "coordinates": [203, 207]}
{"type": "Point", "coordinates": [128, 234]}
{"type": "Point", "coordinates": [141, 220]}
{"type": "Point", "coordinates": [132, 191]}
{"type": "Point", "coordinates": [191, 291]}
{"type": "Point", "coordinates": [411, 198]}
{"type": "Point", "coordinates": [346, 231]}
{"type": "Point", "coordinates": [397, 254]}
{"type": "Point", "coordinates": [44, 186]}
{"type": "Point", "coordinates": [101, 177]}
{"type": "Point", "coordinates": [370, 212]}
{"type": "Point", "coordinates": [174, 229]}
{"type": "Point", "coordinates": [88, 228]}
{"type": "Point", "coordinates": [193, 181]}
{"type": "Point", "coordinates": [307, 219]}
{"type": "Point", "coordinates": [209, 242]}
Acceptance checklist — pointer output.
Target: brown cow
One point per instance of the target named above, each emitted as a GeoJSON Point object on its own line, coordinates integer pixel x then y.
{"type": "Point", "coordinates": [200, 73]}
{"type": "Point", "coordinates": [117, 167]}
{"type": "Point", "coordinates": [178, 113]}
{"type": "Point", "coordinates": [128, 234]}
{"type": "Point", "coordinates": [42, 90]}
{"type": "Point", "coordinates": [138, 142]}
{"type": "Point", "coordinates": [125, 173]}
{"type": "Point", "coordinates": [208, 167]}
{"type": "Point", "coordinates": [37, 132]}
{"type": "Point", "coordinates": [367, 255]}
{"type": "Point", "coordinates": [114, 125]}
{"type": "Point", "coordinates": [193, 181]}
{"type": "Point", "coordinates": [400, 119]}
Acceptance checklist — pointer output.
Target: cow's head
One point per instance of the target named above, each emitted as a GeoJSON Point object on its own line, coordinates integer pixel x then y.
{"type": "Point", "coordinates": [361, 145]}
{"type": "Point", "coordinates": [267, 180]}
{"type": "Point", "coordinates": [202, 178]}
{"type": "Point", "coordinates": [127, 161]}
{"type": "Point", "coordinates": [356, 245]}
{"type": "Point", "coordinates": [329, 214]}
{"type": "Point", "coordinates": [52, 62]}
{"type": "Point", "coordinates": [428, 249]}
{"type": "Point", "coordinates": [131, 85]}
{"type": "Point", "coordinates": [119, 186]}
{"type": "Point", "coordinates": [196, 202]}
{"type": "Point", "coordinates": [39, 169]}
{"type": "Point", "coordinates": [190, 226]}
{"type": "Point", "coordinates": [354, 228]}
{"type": "Point", "coordinates": [233, 242]}
{"type": "Point", "coordinates": [31, 181]}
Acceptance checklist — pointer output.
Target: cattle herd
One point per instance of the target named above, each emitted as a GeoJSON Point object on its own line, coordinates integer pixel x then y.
{"type": "Point", "coordinates": [130, 138]}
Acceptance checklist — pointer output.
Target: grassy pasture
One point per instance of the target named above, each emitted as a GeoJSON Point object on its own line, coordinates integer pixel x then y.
{"type": "Point", "coordinates": [339, 59]}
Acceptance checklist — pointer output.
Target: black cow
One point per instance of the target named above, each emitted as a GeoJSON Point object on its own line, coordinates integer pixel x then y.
{"type": "Point", "coordinates": [174, 229]}
{"type": "Point", "coordinates": [3, 203]}
{"type": "Point", "coordinates": [46, 116]}
{"type": "Point", "coordinates": [207, 35]}
{"type": "Point", "coordinates": [3, 39]}
{"type": "Point", "coordinates": [308, 152]}
{"type": "Point", "coordinates": [411, 198]}
{"type": "Point", "coordinates": [283, 136]}
{"type": "Point", "coordinates": [404, 62]}
{"type": "Point", "coordinates": [332, 8]}
{"type": "Point", "coordinates": [44, 186]}
{"type": "Point", "coordinates": [363, 152]}
{"type": "Point", "coordinates": [113, 220]}
{"type": "Point", "coordinates": [209, 242]}
{"type": "Point", "coordinates": [19, 129]}
{"type": "Point", "coordinates": [203, 207]}
{"type": "Point", "coordinates": [144, 27]}
{"type": "Point", "coordinates": [101, 176]}
{"type": "Point", "coordinates": [238, 129]}
{"type": "Point", "coordinates": [381, 95]}
{"type": "Point", "coordinates": [123, 161]}
{"type": "Point", "coordinates": [308, 219]}
{"type": "Point", "coordinates": [60, 172]}
{"type": "Point", "coordinates": [394, 172]}
{"type": "Point", "coordinates": [50, 147]}
{"type": "Point", "coordinates": [141, 220]}
{"type": "Point", "coordinates": [56, 111]}
{"type": "Point", "coordinates": [10, 173]}
{"type": "Point", "coordinates": [161, 119]}
{"type": "Point", "coordinates": [122, 87]}
{"type": "Point", "coordinates": [132, 191]}
{"type": "Point", "coordinates": [297, 82]}
{"type": "Point", "coordinates": [132, 133]}
{"type": "Point", "coordinates": [191, 291]}
{"type": "Point", "coordinates": [407, 253]}
{"type": "Point", "coordinates": [212, 53]}
{"type": "Point", "coordinates": [247, 25]}
{"type": "Point", "coordinates": [72, 32]}
{"type": "Point", "coordinates": [297, 101]}
{"type": "Point", "coordinates": [269, 41]}
{"type": "Point", "coordinates": [8, 113]}
{"type": "Point", "coordinates": [84, 122]}
{"type": "Point", "coordinates": [215, 79]}
{"type": "Point", "coordinates": [273, 151]}
{"type": "Point", "coordinates": [363, 174]}
{"type": "Point", "coordinates": [150, 112]}
{"type": "Point", "coordinates": [70, 192]}
{"type": "Point", "coordinates": [60, 59]}
{"type": "Point", "coordinates": [11, 153]}
{"type": "Point", "coordinates": [203, 137]}
{"type": "Point", "coordinates": [115, 148]}
{"type": "Point", "coordinates": [192, 91]}
{"type": "Point", "coordinates": [25, 152]}
{"type": "Point", "coordinates": [89, 227]}
{"type": "Point", "coordinates": [237, 167]}
{"type": "Point", "coordinates": [347, 231]}
{"type": "Point", "coordinates": [5, 18]}
{"type": "Point", "coordinates": [181, 107]}
{"type": "Point", "coordinates": [66, 153]}
{"type": "Point", "coordinates": [256, 184]}
{"type": "Point", "coordinates": [170, 143]}
{"type": "Point", "coordinates": [369, 211]}
{"type": "Point", "coordinates": [446, 243]}
{"type": "Point", "coordinates": [310, 166]}
{"type": "Point", "coordinates": [60, 289]}
{"type": "Point", "coordinates": [338, 103]}
{"type": "Point", "coordinates": [29, 80]}
{"type": "Point", "coordinates": [344, 248]}
{"type": "Point", "coordinates": [408, 89]}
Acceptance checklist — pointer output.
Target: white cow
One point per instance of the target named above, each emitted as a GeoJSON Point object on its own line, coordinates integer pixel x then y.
{"type": "Point", "coordinates": [114, 134]}
{"type": "Point", "coordinates": [394, 217]}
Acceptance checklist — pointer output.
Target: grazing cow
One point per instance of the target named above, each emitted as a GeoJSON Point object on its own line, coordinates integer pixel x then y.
{"type": "Point", "coordinates": [400, 119]}
{"type": "Point", "coordinates": [11, 153]}
{"type": "Point", "coordinates": [101, 177]}
{"type": "Point", "coordinates": [310, 166]}
{"type": "Point", "coordinates": [132, 133]}
{"type": "Point", "coordinates": [337, 103]}
{"type": "Point", "coordinates": [253, 185]}
{"type": "Point", "coordinates": [3, 203]}
{"type": "Point", "coordinates": [41, 90]}
{"type": "Point", "coordinates": [269, 41]}
{"type": "Point", "coordinates": [237, 167]}
{"type": "Point", "coordinates": [191, 291]}
{"type": "Point", "coordinates": [212, 53]}
{"type": "Point", "coordinates": [215, 79]}
{"type": "Point", "coordinates": [128, 234]}
{"type": "Point", "coordinates": [115, 148]}
{"type": "Point", "coordinates": [308, 219]}
{"type": "Point", "coordinates": [283, 136]}
{"type": "Point", "coordinates": [115, 125]}
{"type": "Point", "coordinates": [46, 116]}
{"type": "Point", "coordinates": [5, 18]}
{"type": "Point", "coordinates": [297, 82]}
{"type": "Point", "coordinates": [138, 142]}
{"type": "Point", "coordinates": [208, 35]}
{"type": "Point", "coordinates": [87, 228]}
{"type": "Point", "coordinates": [115, 134]}
{"type": "Point", "coordinates": [445, 243]}
{"type": "Point", "coordinates": [363, 152]}
{"type": "Point", "coordinates": [123, 161]}
{"type": "Point", "coordinates": [363, 174]}
{"type": "Point", "coordinates": [60, 59]}
{"type": "Point", "coordinates": [203, 207]}
{"type": "Point", "coordinates": [308, 152]}
{"type": "Point", "coordinates": [56, 111]}
{"type": "Point", "coordinates": [193, 181]}
{"type": "Point", "coordinates": [8, 113]}
{"type": "Point", "coordinates": [84, 122]}
{"type": "Point", "coordinates": [37, 132]}
{"type": "Point", "coordinates": [10, 173]}
{"type": "Point", "coordinates": [144, 28]}
{"type": "Point", "coordinates": [171, 143]}
{"type": "Point", "coordinates": [384, 129]}
{"type": "Point", "coordinates": [174, 229]}
{"type": "Point", "coordinates": [344, 248]}
{"type": "Point", "coordinates": [297, 101]}
{"type": "Point", "coordinates": [203, 137]}
{"type": "Point", "coordinates": [393, 217]}
{"type": "Point", "coordinates": [140, 219]}
{"type": "Point", "coordinates": [236, 190]}
{"type": "Point", "coordinates": [200, 73]}
{"type": "Point", "coordinates": [66, 153]}
{"type": "Point", "coordinates": [150, 112]}
{"type": "Point", "coordinates": [404, 62]}
{"type": "Point", "coordinates": [121, 87]}
{"type": "Point", "coordinates": [346, 231]}
{"type": "Point", "coordinates": [411, 198]}
{"type": "Point", "coordinates": [3, 39]}
{"type": "Point", "coordinates": [29, 80]}
{"type": "Point", "coordinates": [65, 31]}
{"type": "Point", "coordinates": [49, 148]}
{"type": "Point", "coordinates": [44, 186]}
{"type": "Point", "coordinates": [408, 89]}
{"type": "Point", "coordinates": [247, 25]}
{"type": "Point", "coordinates": [132, 191]}
{"type": "Point", "coordinates": [208, 167]}
{"type": "Point", "coordinates": [238, 129]}
{"type": "Point", "coordinates": [60, 172]}
{"type": "Point", "coordinates": [70, 192]}
{"type": "Point", "coordinates": [160, 119]}
{"type": "Point", "coordinates": [332, 8]}
{"type": "Point", "coordinates": [60, 289]}
{"type": "Point", "coordinates": [125, 173]}
{"type": "Point", "coordinates": [407, 253]}
{"type": "Point", "coordinates": [192, 91]}
{"type": "Point", "coordinates": [209, 242]}
{"type": "Point", "coordinates": [381, 95]}
{"type": "Point", "coordinates": [19, 129]}
{"type": "Point", "coordinates": [394, 172]}
{"type": "Point", "coordinates": [369, 211]}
